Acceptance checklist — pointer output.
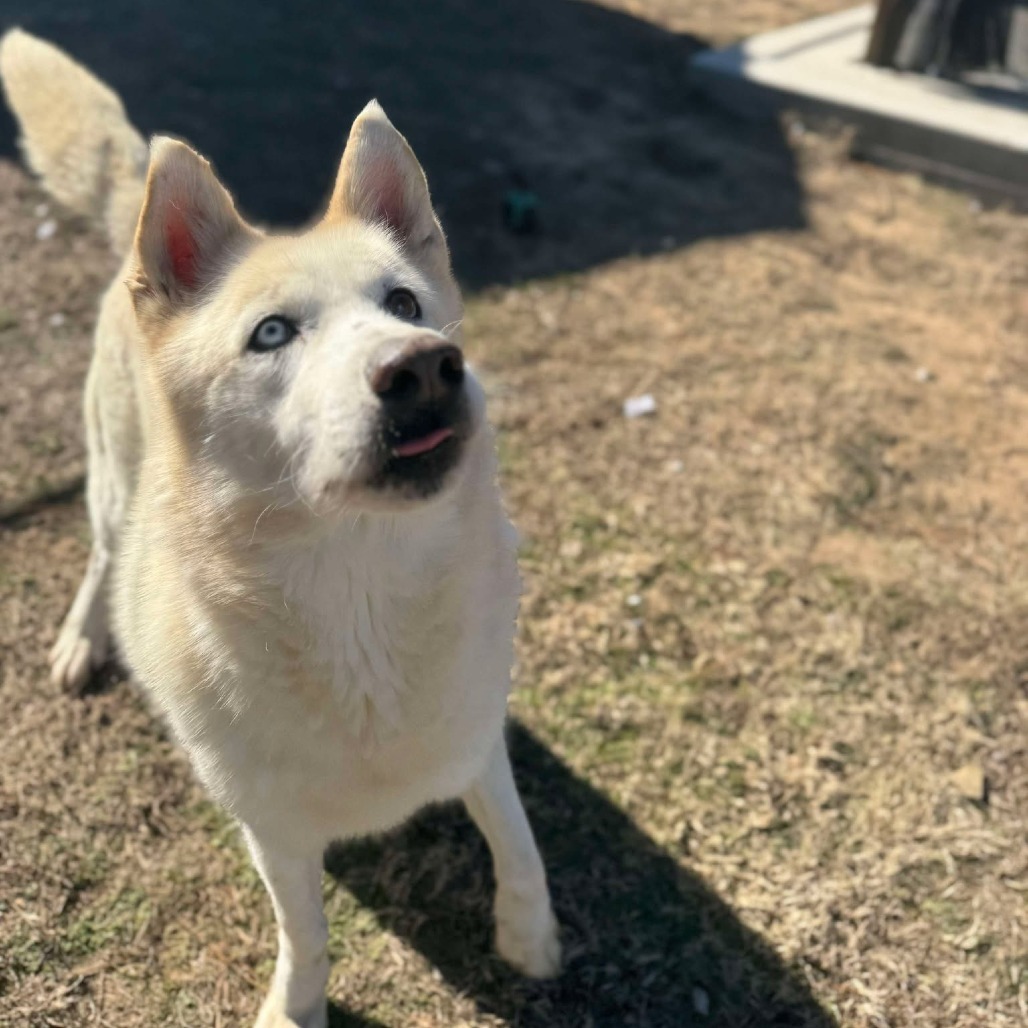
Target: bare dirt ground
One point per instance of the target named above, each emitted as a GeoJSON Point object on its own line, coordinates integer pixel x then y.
{"type": "Point", "coordinates": [773, 681]}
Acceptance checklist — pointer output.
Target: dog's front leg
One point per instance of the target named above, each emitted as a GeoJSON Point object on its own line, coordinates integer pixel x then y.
{"type": "Point", "coordinates": [526, 930]}
{"type": "Point", "coordinates": [297, 996]}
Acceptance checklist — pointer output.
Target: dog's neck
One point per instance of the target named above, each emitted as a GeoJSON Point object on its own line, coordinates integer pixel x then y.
{"type": "Point", "coordinates": [368, 604]}
{"type": "Point", "coordinates": [376, 601]}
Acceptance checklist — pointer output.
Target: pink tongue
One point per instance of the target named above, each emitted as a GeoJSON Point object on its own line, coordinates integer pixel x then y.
{"type": "Point", "coordinates": [424, 444]}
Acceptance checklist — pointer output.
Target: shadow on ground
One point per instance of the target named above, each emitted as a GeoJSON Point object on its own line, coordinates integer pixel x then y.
{"type": "Point", "coordinates": [647, 943]}
{"type": "Point", "coordinates": [589, 109]}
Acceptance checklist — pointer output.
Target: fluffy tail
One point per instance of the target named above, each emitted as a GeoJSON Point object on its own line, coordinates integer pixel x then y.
{"type": "Point", "coordinates": [75, 134]}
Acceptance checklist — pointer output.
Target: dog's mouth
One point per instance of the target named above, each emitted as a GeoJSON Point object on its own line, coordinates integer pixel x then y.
{"type": "Point", "coordinates": [421, 449]}
{"type": "Point", "coordinates": [424, 444]}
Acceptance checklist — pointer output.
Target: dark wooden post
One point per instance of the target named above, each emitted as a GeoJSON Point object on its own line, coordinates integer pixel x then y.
{"type": "Point", "coordinates": [890, 21]}
{"type": "Point", "coordinates": [943, 37]}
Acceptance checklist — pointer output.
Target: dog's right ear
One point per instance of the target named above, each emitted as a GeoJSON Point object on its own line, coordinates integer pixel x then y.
{"type": "Point", "coordinates": [189, 232]}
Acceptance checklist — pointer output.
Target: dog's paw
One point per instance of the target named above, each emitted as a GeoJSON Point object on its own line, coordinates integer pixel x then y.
{"type": "Point", "coordinates": [273, 1014]}
{"type": "Point", "coordinates": [527, 935]}
{"type": "Point", "coordinates": [75, 655]}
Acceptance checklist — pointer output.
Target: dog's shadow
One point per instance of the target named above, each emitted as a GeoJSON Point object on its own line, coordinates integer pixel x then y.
{"type": "Point", "coordinates": [646, 942]}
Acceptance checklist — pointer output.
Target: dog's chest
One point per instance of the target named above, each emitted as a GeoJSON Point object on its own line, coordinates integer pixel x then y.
{"type": "Point", "coordinates": [378, 634]}
{"type": "Point", "coordinates": [377, 682]}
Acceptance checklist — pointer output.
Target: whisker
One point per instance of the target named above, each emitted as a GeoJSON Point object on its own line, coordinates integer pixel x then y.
{"type": "Point", "coordinates": [258, 521]}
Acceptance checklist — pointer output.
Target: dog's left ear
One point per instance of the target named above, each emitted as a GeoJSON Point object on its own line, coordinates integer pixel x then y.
{"type": "Point", "coordinates": [381, 181]}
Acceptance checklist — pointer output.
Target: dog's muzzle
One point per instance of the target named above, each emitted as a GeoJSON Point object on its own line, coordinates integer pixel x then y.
{"type": "Point", "coordinates": [424, 415]}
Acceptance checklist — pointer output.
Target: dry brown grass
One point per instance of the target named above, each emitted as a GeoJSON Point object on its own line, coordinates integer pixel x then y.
{"type": "Point", "coordinates": [772, 637]}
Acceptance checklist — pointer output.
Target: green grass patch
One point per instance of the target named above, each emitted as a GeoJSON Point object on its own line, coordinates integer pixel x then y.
{"type": "Point", "coordinates": [102, 926]}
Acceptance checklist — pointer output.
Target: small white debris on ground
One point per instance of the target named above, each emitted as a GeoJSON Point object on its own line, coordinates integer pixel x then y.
{"type": "Point", "coordinates": [638, 406]}
{"type": "Point", "coordinates": [46, 230]}
{"type": "Point", "coordinates": [924, 375]}
{"type": "Point", "coordinates": [56, 320]}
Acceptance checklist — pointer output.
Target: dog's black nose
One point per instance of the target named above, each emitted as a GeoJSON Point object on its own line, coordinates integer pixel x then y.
{"type": "Point", "coordinates": [422, 371]}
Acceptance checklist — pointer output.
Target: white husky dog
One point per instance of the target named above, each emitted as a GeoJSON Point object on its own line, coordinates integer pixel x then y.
{"type": "Point", "coordinates": [293, 487]}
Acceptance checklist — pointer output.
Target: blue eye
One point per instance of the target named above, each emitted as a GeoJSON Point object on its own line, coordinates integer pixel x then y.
{"type": "Point", "coordinates": [271, 333]}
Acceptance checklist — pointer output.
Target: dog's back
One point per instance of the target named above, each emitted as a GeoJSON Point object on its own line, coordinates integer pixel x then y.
{"type": "Point", "coordinates": [76, 136]}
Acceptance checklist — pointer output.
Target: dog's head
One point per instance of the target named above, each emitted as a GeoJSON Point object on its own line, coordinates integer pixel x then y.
{"type": "Point", "coordinates": [324, 367]}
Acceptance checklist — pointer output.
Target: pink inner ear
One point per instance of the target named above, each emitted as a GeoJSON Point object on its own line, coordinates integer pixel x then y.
{"type": "Point", "coordinates": [386, 187]}
{"type": "Point", "coordinates": [178, 238]}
